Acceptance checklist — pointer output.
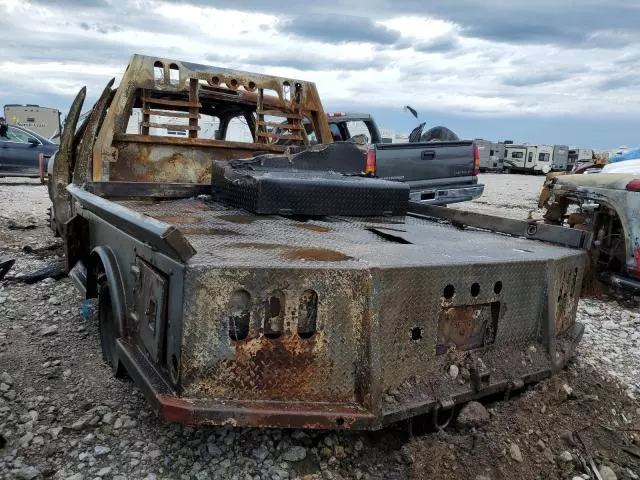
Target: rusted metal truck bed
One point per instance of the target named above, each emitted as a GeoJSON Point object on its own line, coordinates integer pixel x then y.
{"type": "Point", "coordinates": [398, 302]}
{"type": "Point", "coordinates": [224, 317]}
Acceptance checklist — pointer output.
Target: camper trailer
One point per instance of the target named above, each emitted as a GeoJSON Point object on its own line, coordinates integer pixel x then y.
{"type": "Point", "coordinates": [41, 120]}
{"type": "Point", "coordinates": [496, 157]}
{"type": "Point", "coordinates": [559, 162]}
{"type": "Point", "coordinates": [515, 157]}
{"type": "Point", "coordinates": [542, 156]}
{"type": "Point", "coordinates": [578, 157]}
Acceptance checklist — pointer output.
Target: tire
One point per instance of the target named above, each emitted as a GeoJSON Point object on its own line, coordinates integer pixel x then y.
{"type": "Point", "coordinates": [439, 134]}
{"type": "Point", "coordinates": [107, 329]}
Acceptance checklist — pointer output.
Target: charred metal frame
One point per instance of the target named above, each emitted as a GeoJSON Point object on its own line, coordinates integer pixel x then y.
{"type": "Point", "coordinates": [602, 201]}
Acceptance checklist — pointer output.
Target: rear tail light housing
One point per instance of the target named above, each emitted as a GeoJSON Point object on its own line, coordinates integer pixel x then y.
{"type": "Point", "coordinates": [476, 159]}
{"type": "Point", "coordinates": [370, 168]}
{"type": "Point", "coordinates": [634, 185]}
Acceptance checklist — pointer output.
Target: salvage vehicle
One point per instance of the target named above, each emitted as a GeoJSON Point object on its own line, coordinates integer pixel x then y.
{"type": "Point", "coordinates": [24, 153]}
{"type": "Point", "coordinates": [607, 204]}
{"type": "Point", "coordinates": [437, 172]}
{"type": "Point", "coordinates": [225, 316]}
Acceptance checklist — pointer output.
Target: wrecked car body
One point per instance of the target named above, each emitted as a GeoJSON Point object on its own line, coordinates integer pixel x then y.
{"type": "Point", "coordinates": [608, 206]}
{"type": "Point", "coordinates": [227, 317]}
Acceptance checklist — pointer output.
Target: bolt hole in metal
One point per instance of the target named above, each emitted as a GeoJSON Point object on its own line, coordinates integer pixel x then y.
{"type": "Point", "coordinates": [274, 316]}
{"type": "Point", "coordinates": [416, 333]}
{"type": "Point", "coordinates": [449, 291]}
{"type": "Point", "coordinates": [497, 288]}
{"type": "Point", "coordinates": [307, 314]}
{"type": "Point", "coordinates": [239, 315]}
{"type": "Point", "coordinates": [475, 289]}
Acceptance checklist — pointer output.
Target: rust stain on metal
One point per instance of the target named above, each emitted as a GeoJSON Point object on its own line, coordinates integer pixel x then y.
{"type": "Point", "coordinates": [198, 91]}
{"type": "Point", "coordinates": [258, 246]}
{"type": "Point", "coordinates": [467, 327]}
{"type": "Point", "coordinates": [315, 254]}
{"type": "Point", "coordinates": [242, 219]}
{"type": "Point", "coordinates": [181, 220]}
{"type": "Point", "coordinates": [207, 231]}
{"type": "Point", "coordinates": [311, 227]}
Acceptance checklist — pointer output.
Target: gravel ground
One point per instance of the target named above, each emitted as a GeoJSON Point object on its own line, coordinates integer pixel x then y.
{"type": "Point", "coordinates": [63, 416]}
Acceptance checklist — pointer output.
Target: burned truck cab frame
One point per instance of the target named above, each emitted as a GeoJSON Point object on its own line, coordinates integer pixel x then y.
{"type": "Point", "coordinates": [231, 318]}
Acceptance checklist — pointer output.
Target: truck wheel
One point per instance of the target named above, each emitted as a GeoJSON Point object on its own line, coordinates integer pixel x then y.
{"type": "Point", "coordinates": [107, 328]}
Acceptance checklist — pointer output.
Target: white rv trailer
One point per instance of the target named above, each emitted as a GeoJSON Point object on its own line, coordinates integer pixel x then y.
{"type": "Point", "coordinates": [578, 157]}
{"type": "Point", "coordinates": [542, 158]}
{"type": "Point", "coordinates": [560, 159]}
{"type": "Point", "coordinates": [515, 158]}
{"type": "Point", "coordinates": [42, 120]}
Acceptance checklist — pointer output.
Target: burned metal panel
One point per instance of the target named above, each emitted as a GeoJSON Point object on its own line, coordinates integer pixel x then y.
{"type": "Point", "coordinates": [487, 320]}
{"type": "Point", "coordinates": [606, 192]}
{"type": "Point", "coordinates": [330, 365]}
{"type": "Point", "coordinates": [161, 236]}
{"type": "Point", "coordinates": [151, 288]}
{"type": "Point", "coordinates": [169, 163]}
{"type": "Point", "coordinates": [62, 165]}
{"type": "Point", "coordinates": [130, 251]}
{"type": "Point", "coordinates": [293, 98]}
{"type": "Point", "coordinates": [83, 164]}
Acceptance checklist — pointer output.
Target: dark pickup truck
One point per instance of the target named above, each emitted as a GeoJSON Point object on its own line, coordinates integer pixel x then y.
{"type": "Point", "coordinates": [438, 172]}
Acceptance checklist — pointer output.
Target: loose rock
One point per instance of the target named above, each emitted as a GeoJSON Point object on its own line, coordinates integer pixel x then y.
{"type": "Point", "coordinates": [473, 415]}
{"type": "Point", "coordinates": [295, 454]}
{"type": "Point", "coordinates": [607, 473]}
{"type": "Point", "coordinates": [515, 453]}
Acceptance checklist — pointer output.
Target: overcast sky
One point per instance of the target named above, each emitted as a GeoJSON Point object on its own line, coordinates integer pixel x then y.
{"type": "Point", "coordinates": [546, 71]}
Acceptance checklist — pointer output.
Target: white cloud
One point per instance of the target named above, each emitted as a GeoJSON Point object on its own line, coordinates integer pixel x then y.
{"type": "Point", "coordinates": [55, 50]}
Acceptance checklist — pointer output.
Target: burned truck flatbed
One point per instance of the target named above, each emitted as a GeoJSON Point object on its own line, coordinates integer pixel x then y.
{"type": "Point", "coordinates": [390, 297]}
{"type": "Point", "coordinates": [225, 317]}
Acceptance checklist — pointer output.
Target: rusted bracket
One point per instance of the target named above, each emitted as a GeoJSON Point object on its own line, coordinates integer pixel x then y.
{"type": "Point", "coordinates": [567, 237]}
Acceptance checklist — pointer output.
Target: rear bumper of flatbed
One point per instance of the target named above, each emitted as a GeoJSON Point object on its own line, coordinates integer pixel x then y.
{"type": "Point", "coordinates": [171, 407]}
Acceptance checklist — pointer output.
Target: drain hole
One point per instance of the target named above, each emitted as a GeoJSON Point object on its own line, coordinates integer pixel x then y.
{"type": "Point", "coordinates": [449, 291]}
{"type": "Point", "coordinates": [307, 314]}
{"type": "Point", "coordinates": [475, 289]}
{"type": "Point", "coordinates": [340, 421]}
{"type": "Point", "coordinates": [239, 315]}
{"type": "Point", "coordinates": [497, 288]}
{"type": "Point", "coordinates": [416, 333]}
{"type": "Point", "coordinates": [274, 316]}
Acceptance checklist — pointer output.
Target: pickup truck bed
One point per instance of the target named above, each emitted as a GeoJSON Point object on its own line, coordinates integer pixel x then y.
{"type": "Point", "coordinates": [437, 172]}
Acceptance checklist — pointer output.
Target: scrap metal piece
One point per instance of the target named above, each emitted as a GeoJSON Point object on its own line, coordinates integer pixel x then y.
{"type": "Point", "coordinates": [521, 228]}
{"type": "Point", "coordinates": [83, 169]}
{"type": "Point", "coordinates": [63, 161]}
{"type": "Point", "coordinates": [5, 265]}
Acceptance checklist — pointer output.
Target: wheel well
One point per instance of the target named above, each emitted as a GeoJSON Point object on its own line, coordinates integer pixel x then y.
{"type": "Point", "coordinates": [103, 261]}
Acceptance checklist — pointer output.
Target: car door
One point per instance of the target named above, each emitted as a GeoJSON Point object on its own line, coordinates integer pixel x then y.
{"type": "Point", "coordinates": [19, 152]}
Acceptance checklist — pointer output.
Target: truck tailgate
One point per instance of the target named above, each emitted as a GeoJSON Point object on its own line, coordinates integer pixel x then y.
{"type": "Point", "coordinates": [427, 164]}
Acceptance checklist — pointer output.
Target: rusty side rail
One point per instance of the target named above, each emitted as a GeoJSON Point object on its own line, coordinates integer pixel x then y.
{"type": "Point", "coordinates": [533, 230]}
